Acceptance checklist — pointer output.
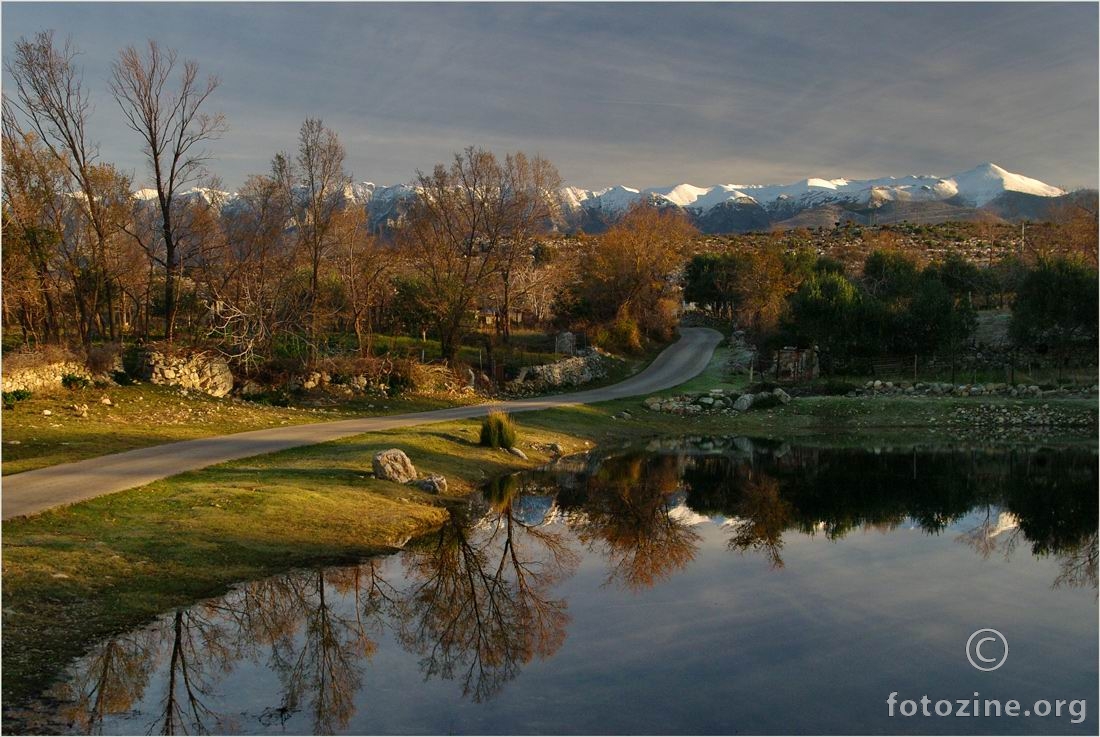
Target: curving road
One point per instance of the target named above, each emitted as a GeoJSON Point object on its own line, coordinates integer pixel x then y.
{"type": "Point", "coordinates": [36, 491]}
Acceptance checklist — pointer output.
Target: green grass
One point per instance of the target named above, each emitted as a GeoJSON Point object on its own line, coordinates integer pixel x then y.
{"type": "Point", "coordinates": [145, 415]}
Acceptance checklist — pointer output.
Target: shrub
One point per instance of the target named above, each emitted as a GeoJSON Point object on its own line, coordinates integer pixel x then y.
{"type": "Point", "coordinates": [18, 395]}
{"type": "Point", "coordinates": [626, 335]}
{"type": "Point", "coordinates": [101, 358]}
{"type": "Point", "coordinates": [73, 381]}
{"type": "Point", "coordinates": [401, 378]}
{"type": "Point", "coordinates": [498, 431]}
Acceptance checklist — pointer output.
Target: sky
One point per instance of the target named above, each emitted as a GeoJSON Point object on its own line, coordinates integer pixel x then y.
{"type": "Point", "coordinates": [621, 93]}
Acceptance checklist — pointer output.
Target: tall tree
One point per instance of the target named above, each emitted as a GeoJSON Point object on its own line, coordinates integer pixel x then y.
{"type": "Point", "coordinates": [313, 186]}
{"type": "Point", "coordinates": [629, 273]}
{"type": "Point", "coordinates": [531, 205]}
{"type": "Point", "coordinates": [50, 96]}
{"type": "Point", "coordinates": [173, 129]}
{"type": "Point", "coordinates": [469, 224]}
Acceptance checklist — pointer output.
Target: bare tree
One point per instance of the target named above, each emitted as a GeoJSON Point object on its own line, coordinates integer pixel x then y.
{"type": "Point", "coordinates": [50, 95]}
{"type": "Point", "coordinates": [173, 130]}
{"type": "Point", "coordinates": [364, 265]}
{"type": "Point", "coordinates": [468, 224]}
{"type": "Point", "coordinates": [313, 186]}
{"type": "Point", "coordinates": [530, 208]}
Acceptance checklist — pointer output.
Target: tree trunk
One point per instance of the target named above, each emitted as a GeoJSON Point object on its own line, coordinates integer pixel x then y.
{"type": "Point", "coordinates": [506, 303]}
{"type": "Point", "coordinates": [169, 275]}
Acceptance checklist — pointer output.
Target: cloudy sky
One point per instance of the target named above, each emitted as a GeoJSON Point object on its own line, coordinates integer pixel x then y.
{"type": "Point", "coordinates": [645, 95]}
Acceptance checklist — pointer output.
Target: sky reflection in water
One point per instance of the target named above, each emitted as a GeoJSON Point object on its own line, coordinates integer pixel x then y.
{"type": "Point", "coordinates": [721, 586]}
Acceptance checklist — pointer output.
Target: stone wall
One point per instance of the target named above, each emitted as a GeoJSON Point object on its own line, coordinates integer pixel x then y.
{"type": "Point", "coordinates": [204, 372]}
{"type": "Point", "coordinates": [42, 377]}
{"type": "Point", "coordinates": [580, 369]}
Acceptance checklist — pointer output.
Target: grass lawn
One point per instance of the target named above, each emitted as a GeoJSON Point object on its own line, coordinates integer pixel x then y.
{"type": "Point", "coordinates": [143, 415]}
{"type": "Point", "coordinates": [146, 414]}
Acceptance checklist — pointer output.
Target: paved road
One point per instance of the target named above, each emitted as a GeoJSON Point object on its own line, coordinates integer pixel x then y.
{"type": "Point", "coordinates": [35, 491]}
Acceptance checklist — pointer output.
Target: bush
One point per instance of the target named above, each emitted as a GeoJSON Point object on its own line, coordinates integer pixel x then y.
{"type": "Point", "coordinates": [10, 398]}
{"type": "Point", "coordinates": [72, 381]}
{"type": "Point", "coordinates": [101, 358]}
{"type": "Point", "coordinates": [498, 431]}
{"type": "Point", "coordinates": [626, 335]}
{"type": "Point", "coordinates": [401, 378]}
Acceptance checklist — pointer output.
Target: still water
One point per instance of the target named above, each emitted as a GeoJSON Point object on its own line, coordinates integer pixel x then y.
{"type": "Point", "coordinates": [717, 585]}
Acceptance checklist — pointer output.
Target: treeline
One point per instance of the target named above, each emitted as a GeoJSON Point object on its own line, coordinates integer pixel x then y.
{"type": "Point", "coordinates": [894, 305]}
{"type": "Point", "coordinates": [289, 268]}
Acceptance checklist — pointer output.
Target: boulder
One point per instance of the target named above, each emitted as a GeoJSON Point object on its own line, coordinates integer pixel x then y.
{"type": "Point", "coordinates": [393, 465]}
{"type": "Point", "coordinates": [782, 396]}
{"type": "Point", "coordinates": [432, 484]}
{"type": "Point", "coordinates": [743, 403]}
{"type": "Point", "coordinates": [518, 453]}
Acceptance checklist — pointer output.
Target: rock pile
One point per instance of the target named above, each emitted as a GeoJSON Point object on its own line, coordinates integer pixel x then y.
{"type": "Point", "coordinates": [586, 366]}
{"type": "Point", "coordinates": [205, 372]}
{"type": "Point", "coordinates": [716, 401]}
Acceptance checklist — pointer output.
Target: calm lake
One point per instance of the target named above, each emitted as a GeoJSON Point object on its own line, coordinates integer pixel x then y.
{"type": "Point", "coordinates": [708, 585]}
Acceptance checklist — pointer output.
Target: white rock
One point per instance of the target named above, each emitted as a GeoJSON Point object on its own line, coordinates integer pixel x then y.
{"type": "Point", "coordinates": [393, 465]}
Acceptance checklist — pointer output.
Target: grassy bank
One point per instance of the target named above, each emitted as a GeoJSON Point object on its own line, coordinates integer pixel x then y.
{"type": "Point", "coordinates": [145, 415]}
{"type": "Point", "coordinates": [76, 575]}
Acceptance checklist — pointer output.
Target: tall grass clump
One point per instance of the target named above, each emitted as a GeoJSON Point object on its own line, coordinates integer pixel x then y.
{"type": "Point", "coordinates": [498, 431]}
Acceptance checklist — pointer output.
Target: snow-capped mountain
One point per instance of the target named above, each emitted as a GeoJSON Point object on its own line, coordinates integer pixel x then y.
{"type": "Point", "coordinates": [975, 187]}
{"type": "Point", "coordinates": [986, 191]}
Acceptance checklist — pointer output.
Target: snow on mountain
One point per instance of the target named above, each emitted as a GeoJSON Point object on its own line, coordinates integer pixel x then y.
{"type": "Point", "coordinates": [988, 181]}
{"type": "Point", "coordinates": [722, 207]}
{"type": "Point", "coordinates": [976, 187]}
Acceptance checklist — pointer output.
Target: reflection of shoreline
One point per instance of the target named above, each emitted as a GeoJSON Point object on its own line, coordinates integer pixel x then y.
{"type": "Point", "coordinates": [475, 603]}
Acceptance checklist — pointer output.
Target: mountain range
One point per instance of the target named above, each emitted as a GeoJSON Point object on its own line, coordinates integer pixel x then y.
{"type": "Point", "coordinates": [986, 192]}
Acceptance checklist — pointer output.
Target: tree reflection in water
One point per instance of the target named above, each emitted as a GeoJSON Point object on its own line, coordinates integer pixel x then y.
{"type": "Point", "coordinates": [626, 516]}
{"type": "Point", "coordinates": [476, 602]}
{"type": "Point", "coordinates": [113, 677]}
{"type": "Point", "coordinates": [478, 605]}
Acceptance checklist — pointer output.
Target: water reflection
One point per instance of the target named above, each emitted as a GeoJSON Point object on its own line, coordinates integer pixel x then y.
{"type": "Point", "coordinates": [477, 602]}
{"type": "Point", "coordinates": [480, 600]}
